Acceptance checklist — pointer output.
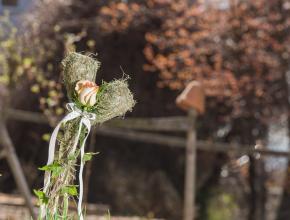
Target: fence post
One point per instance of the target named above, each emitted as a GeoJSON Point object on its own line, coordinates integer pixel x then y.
{"type": "Point", "coordinates": [15, 167]}
{"type": "Point", "coordinates": [257, 184]}
{"type": "Point", "coordinates": [191, 100]}
{"type": "Point", "coordinates": [190, 169]}
{"type": "Point", "coordinates": [10, 155]}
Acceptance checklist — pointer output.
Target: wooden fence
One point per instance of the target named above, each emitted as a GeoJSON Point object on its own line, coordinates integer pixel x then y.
{"type": "Point", "coordinates": [137, 129]}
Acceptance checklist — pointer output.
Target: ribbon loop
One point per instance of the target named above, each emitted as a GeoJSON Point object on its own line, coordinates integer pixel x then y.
{"type": "Point", "coordinates": [71, 107]}
{"type": "Point", "coordinates": [90, 116]}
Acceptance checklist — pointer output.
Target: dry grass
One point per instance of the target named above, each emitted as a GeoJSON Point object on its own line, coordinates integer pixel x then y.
{"type": "Point", "coordinates": [12, 208]}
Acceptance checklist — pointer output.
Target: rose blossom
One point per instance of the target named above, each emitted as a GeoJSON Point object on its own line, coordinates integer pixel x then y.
{"type": "Point", "coordinates": [87, 92]}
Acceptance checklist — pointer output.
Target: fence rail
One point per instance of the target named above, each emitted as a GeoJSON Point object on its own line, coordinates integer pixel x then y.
{"type": "Point", "coordinates": [136, 129]}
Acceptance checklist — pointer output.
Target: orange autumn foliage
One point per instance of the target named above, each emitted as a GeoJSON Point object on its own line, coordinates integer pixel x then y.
{"type": "Point", "coordinates": [240, 53]}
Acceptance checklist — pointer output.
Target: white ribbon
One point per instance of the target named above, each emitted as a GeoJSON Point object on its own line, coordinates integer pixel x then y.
{"type": "Point", "coordinates": [85, 120]}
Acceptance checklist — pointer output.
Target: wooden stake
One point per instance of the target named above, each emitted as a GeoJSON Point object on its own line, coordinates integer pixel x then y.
{"type": "Point", "coordinates": [15, 167]}
{"type": "Point", "coordinates": [190, 169]}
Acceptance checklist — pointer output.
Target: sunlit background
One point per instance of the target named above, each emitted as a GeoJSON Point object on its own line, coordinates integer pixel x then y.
{"type": "Point", "coordinates": [237, 49]}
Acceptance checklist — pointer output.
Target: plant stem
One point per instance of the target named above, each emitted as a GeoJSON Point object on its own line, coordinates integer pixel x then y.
{"type": "Point", "coordinates": [58, 200]}
{"type": "Point", "coordinates": [65, 206]}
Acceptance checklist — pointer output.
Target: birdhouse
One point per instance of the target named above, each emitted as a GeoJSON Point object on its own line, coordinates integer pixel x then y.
{"type": "Point", "coordinates": [192, 97]}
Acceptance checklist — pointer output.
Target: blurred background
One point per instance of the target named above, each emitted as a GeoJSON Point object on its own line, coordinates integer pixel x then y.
{"type": "Point", "coordinates": [238, 49]}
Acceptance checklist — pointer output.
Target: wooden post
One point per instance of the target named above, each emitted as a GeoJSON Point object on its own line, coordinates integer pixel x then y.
{"type": "Point", "coordinates": [190, 170]}
{"type": "Point", "coordinates": [257, 181]}
{"type": "Point", "coordinates": [15, 166]}
{"type": "Point", "coordinates": [191, 100]}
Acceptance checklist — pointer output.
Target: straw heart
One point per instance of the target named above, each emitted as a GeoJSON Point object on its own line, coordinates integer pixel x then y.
{"type": "Point", "coordinates": [89, 104]}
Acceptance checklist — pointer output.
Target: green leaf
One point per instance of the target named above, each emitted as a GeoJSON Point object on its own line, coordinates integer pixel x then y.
{"type": "Point", "coordinates": [35, 88]}
{"type": "Point", "coordinates": [49, 167]}
{"type": "Point", "coordinates": [46, 137]}
{"type": "Point", "coordinates": [71, 190]}
{"type": "Point", "coordinates": [55, 169]}
{"type": "Point", "coordinates": [43, 199]}
{"type": "Point", "coordinates": [38, 193]}
{"type": "Point", "coordinates": [88, 156]}
{"type": "Point", "coordinates": [27, 62]}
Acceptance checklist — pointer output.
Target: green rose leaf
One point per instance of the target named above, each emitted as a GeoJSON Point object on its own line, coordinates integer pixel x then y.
{"type": "Point", "coordinates": [71, 190]}
{"type": "Point", "coordinates": [43, 199]}
{"type": "Point", "coordinates": [55, 169]}
{"type": "Point", "coordinates": [88, 156]}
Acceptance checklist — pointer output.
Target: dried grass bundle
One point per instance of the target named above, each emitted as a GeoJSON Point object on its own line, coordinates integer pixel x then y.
{"type": "Point", "coordinates": [111, 99]}
{"type": "Point", "coordinates": [114, 99]}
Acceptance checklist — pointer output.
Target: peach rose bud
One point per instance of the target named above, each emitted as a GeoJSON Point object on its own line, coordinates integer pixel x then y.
{"type": "Point", "coordinates": [87, 92]}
